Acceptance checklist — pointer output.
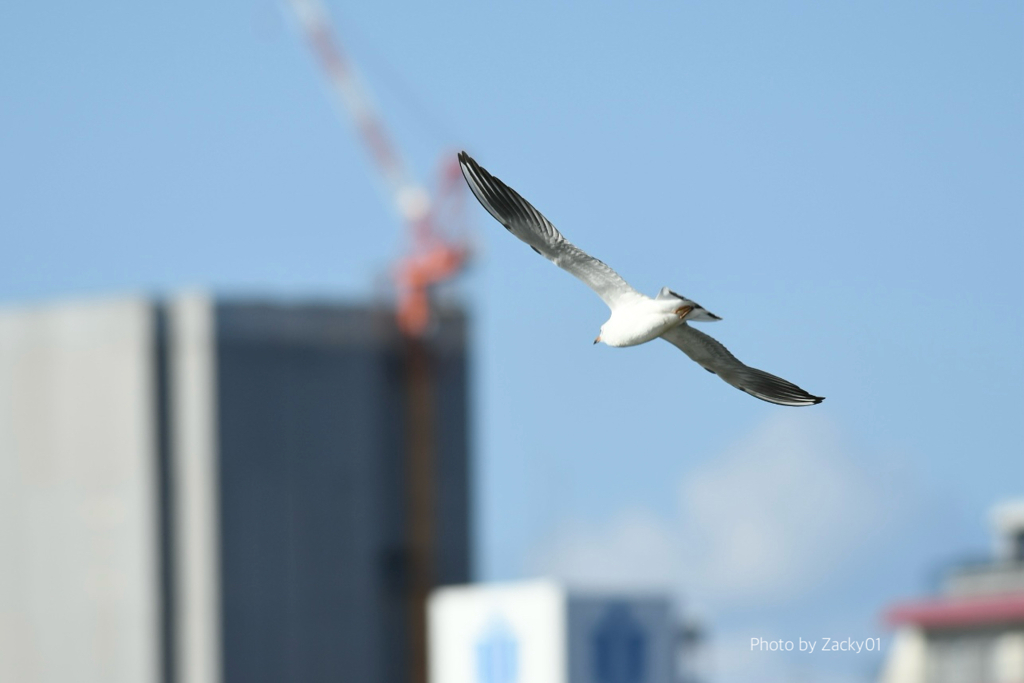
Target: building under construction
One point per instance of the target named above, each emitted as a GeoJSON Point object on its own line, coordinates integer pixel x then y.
{"type": "Point", "coordinates": [206, 491]}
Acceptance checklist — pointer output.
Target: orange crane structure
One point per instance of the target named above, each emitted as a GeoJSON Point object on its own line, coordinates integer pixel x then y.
{"type": "Point", "coordinates": [434, 258]}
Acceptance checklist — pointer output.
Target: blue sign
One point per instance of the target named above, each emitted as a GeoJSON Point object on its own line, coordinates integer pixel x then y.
{"type": "Point", "coordinates": [497, 654]}
{"type": "Point", "coordinates": [620, 648]}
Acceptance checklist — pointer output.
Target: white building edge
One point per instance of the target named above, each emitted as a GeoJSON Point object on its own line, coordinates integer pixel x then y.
{"type": "Point", "coordinates": [973, 632]}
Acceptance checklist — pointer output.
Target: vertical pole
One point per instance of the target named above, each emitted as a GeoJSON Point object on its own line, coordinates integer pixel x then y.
{"type": "Point", "coordinates": [420, 487]}
{"type": "Point", "coordinates": [195, 473]}
{"type": "Point", "coordinates": [165, 490]}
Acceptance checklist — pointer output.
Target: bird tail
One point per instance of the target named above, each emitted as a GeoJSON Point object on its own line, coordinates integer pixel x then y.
{"type": "Point", "coordinates": [699, 314]}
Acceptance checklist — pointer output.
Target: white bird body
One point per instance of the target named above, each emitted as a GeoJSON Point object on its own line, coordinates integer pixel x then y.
{"type": "Point", "coordinates": [641, 321]}
{"type": "Point", "coordinates": [635, 318]}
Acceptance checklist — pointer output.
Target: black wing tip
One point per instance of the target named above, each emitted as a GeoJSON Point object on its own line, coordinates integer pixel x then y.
{"type": "Point", "coordinates": [807, 400]}
{"type": "Point", "coordinates": [772, 389]}
{"type": "Point", "coordinates": [471, 167]}
{"type": "Point", "coordinates": [467, 162]}
{"type": "Point", "coordinates": [789, 402]}
{"type": "Point", "coordinates": [500, 200]}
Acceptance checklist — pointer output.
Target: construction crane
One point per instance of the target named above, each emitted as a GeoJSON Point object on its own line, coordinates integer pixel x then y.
{"type": "Point", "coordinates": [434, 258]}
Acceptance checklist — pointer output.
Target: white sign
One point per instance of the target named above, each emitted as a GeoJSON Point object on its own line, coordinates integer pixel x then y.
{"type": "Point", "coordinates": [538, 632]}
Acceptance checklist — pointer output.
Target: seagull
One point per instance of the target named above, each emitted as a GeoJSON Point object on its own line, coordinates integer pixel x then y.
{"type": "Point", "coordinates": [635, 317]}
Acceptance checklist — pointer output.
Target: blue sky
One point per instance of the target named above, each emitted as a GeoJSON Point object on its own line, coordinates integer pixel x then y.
{"type": "Point", "coordinates": [841, 182]}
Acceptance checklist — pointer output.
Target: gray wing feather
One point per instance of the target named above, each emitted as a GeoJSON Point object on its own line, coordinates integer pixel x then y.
{"type": "Point", "coordinates": [528, 224]}
{"type": "Point", "coordinates": [714, 357]}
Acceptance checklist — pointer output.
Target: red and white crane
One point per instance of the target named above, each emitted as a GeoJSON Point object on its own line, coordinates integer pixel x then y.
{"type": "Point", "coordinates": [434, 257]}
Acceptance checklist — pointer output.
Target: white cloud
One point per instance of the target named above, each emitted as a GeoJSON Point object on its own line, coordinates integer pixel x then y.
{"type": "Point", "coordinates": [765, 521]}
{"type": "Point", "coordinates": [636, 549]}
{"type": "Point", "coordinates": [775, 514]}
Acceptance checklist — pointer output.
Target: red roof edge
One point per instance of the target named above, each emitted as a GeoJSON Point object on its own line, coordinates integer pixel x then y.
{"type": "Point", "coordinates": [954, 612]}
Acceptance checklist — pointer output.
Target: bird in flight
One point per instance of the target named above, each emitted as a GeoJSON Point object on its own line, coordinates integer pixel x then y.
{"type": "Point", "coordinates": [635, 318]}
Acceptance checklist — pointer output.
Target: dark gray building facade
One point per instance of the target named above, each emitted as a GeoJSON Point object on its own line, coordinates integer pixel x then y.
{"type": "Point", "coordinates": [312, 440]}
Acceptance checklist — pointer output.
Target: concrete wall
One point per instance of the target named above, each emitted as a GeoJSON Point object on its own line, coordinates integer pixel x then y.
{"type": "Point", "coordinates": [78, 550]}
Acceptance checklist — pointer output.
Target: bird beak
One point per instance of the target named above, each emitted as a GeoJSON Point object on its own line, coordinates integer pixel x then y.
{"type": "Point", "coordinates": [598, 339]}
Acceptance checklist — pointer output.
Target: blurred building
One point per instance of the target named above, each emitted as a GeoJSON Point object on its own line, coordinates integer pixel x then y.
{"type": "Point", "coordinates": [973, 631]}
{"type": "Point", "coordinates": [205, 491]}
{"type": "Point", "coordinates": [542, 632]}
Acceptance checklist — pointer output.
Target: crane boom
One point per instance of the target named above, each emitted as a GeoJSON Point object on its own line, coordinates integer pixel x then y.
{"type": "Point", "coordinates": [411, 200]}
{"type": "Point", "coordinates": [433, 259]}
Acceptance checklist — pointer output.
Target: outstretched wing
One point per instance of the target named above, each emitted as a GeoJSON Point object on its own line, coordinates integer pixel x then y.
{"type": "Point", "coordinates": [714, 357]}
{"type": "Point", "coordinates": [528, 224]}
